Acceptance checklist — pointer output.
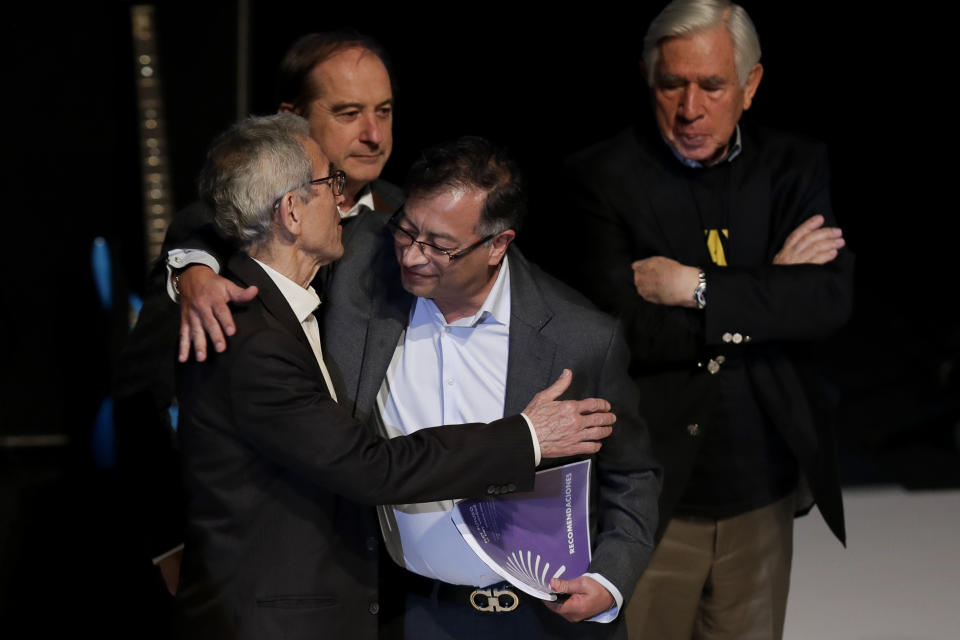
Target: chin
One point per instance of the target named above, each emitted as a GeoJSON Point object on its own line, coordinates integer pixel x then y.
{"type": "Point", "coordinates": [364, 173]}
{"type": "Point", "coordinates": [419, 289]}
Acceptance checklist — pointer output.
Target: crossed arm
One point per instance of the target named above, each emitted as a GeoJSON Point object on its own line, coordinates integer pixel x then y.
{"type": "Point", "coordinates": [665, 281]}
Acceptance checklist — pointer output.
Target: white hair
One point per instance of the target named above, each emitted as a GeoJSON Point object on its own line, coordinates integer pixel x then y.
{"type": "Point", "coordinates": [688, 17]}
{"type": "Point", "coordinates": [248, 168]}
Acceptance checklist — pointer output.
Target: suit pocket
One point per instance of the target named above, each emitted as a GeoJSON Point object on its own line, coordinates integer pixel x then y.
{"type": "Point", "coordinates": [297, 602]}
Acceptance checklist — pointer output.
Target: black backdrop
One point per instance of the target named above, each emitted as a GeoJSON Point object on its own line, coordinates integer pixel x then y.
{"type": "Point", "coordinates": [544, 81]}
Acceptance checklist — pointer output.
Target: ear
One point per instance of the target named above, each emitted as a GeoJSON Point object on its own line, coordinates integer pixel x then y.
{"type": "Point", "coordinates": [499, 245]}
{"type": "Point", "coordinates": [753, 81]}
{"type": "Point", "coordinates": [286, 107]}
{"type": "Point", "coordinates": [289, 214]}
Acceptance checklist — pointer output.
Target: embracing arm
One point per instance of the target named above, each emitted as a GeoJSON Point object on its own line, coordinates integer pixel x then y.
{"type": "Point", "coordinates": [279, 406]}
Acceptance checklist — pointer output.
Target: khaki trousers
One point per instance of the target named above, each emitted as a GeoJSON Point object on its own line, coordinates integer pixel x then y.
{"type": "Point", "coordinates": [717, 579]}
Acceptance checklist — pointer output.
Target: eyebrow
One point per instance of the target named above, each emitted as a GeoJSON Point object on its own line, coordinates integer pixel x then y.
{"type": "Point", "coordinates": [432, 235]}
{"type": "Point", "coordinates": [343, 106]}
{"type": "Point", "coordinates": [671, 78]}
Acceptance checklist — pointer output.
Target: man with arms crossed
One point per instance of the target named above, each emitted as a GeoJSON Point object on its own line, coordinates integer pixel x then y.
{"type": "Point", "coordinates": [275, 544]}
{"type": "Point", "coordinates": [716, 243]}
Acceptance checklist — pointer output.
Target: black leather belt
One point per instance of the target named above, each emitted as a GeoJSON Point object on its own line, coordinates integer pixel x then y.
{"type": "Point", "coordinates": [498, 598]}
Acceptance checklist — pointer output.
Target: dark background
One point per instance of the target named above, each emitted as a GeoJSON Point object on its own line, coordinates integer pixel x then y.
{"type": "Point", "coordinates": [545, 82]}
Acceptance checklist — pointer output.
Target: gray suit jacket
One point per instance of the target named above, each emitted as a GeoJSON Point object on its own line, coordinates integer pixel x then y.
{"type": "Point", "coordinates": [551, 328]}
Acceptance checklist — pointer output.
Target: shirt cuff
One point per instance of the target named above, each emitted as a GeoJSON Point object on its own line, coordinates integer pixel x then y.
{"type": "Point", "coordinates": [536, 440]}
{"type": "Point", "coordinates": [163, 556]}
{"type": "Point", "coordinates": [610, 614]}
{"type": "Point", "coordinates": [183, 258]}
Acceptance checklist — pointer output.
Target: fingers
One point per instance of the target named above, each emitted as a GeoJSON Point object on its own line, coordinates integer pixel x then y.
{"type": "Point", "coordinates": [183, 351]}
{"type": "Point", "coordinates": [197, 337]}
{"type": "Point", "coordinates": [209, 320]}
{"type": "Point", "coordinates": [592, 405]}
{"type": "Point", "coordinates": [811, 243]}
{"type": "Point", "coordinates": [559, 585]}
{"type": "Point", "coordinates": [556, 390]}
{"type": "Point", "coordinates": [810, 224]}
{"type": "Point", "coordinates": [587, 598]}
{"type": "Point", "coordinates": [239, 294]}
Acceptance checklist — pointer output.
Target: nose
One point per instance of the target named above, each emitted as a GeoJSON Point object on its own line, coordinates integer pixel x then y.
{"type": "Point", "coordinates": [691, 103]}
{"type": "Point", "coordinates": [412, 255]}
{"type": "Point", "coordinates": [370, 133]}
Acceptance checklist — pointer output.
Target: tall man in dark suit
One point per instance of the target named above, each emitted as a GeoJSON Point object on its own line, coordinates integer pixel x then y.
{"type": "Point", "coordinates": [275, 544]}
{"type": "Point", "coordinates": [436, 316]}
{"type": "Point", "coordinates": [341, 83]}
{"type": "Point", "coordinates": [716, 243]}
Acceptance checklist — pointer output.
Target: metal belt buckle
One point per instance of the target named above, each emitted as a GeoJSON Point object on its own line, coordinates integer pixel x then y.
{"type": "Point", "coordinates": [493, 602]}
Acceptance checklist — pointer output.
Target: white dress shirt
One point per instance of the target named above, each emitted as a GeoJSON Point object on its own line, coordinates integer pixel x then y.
{"type": "Point", "coordinates": [451, 373]}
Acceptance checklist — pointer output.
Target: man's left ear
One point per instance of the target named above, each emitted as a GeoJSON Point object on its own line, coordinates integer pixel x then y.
{"type": "Point", "coordinates": [290, 214]}
{"type": "Point", "coordinates": [753, 81]}
{"type": "Point", "coordinates": [500, 244]}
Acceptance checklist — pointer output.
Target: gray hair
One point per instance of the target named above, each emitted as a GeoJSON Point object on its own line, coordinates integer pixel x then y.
{"type": "Point", "coordinates": [688, 17]}
{"type": "Point", "coordinates": [249, 167]}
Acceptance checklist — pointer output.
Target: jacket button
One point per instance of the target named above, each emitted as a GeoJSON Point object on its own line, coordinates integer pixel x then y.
{"type": "Point", "coordinates": [492, 490]}
{"type": "Point", "coordinates": [727, 337]}
{"type": "Point", "coordinates": [374, 608]}
{"type": "Point", "coordinates": [737, 338]}
{"type": "Point", "coordinates": [371, 544]}
{"type": "Point", "coordinates": [511, 487]}
{"type": "Point", "coordinates": [693, 429]}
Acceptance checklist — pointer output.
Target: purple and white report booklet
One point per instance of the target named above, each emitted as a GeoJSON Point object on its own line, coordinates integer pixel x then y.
{"type": "Point", "coordinates": [530, 537]}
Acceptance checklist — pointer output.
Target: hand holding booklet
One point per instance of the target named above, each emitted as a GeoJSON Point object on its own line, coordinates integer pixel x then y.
{"type": "Point", "coordinates": [530, 537]}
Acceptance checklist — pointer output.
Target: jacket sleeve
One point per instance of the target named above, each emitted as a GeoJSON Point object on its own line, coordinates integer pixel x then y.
{"type": "Point", "coordinates": [785, 302]}
{"type": "Point", "coordinates": [605, 247]}
{"type": "Point", "coordinates": [283, 411]}
{"type": "Point", "coordinates": [629, 480]}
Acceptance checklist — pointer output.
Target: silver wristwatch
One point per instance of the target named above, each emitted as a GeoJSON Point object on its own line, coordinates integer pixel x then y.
{"type": "Point", "coordinates": [700, 293]}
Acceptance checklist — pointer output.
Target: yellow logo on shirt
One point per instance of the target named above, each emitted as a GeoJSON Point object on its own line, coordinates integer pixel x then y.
{"type": "Point", "coordinates": [715, 245]}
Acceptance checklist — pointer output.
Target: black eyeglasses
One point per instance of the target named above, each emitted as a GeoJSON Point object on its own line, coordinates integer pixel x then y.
{"type": "Point", "coordinates": [335, 180]}
{"type": "Point", "coordinates": [405, 238]}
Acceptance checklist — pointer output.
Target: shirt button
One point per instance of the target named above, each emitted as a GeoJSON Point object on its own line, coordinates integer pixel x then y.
{"type": "Point", "coordinates": [450, 381]}
{"type": "Point", "coordinates": [371, 544]}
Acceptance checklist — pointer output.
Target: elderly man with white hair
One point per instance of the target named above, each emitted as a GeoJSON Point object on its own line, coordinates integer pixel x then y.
{"type": "Point", "coordinates": [715, 242]}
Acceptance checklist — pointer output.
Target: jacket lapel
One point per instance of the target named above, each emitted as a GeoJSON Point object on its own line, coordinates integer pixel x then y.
{"type": "Point", "coordinates": [671, 201]}
{"type": "Point", "coordinates": [390, 314]}
{"type": "Point", "coordinates": [247, 272]}
{"type": "Point", "coordinates": [531, 361]}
